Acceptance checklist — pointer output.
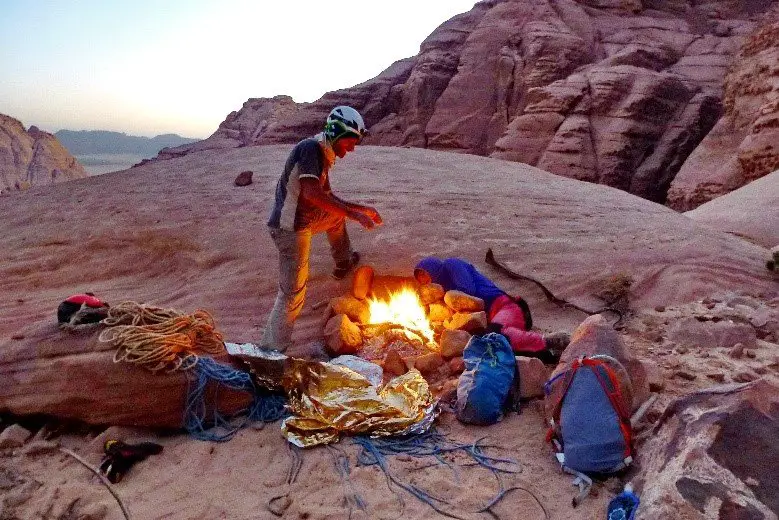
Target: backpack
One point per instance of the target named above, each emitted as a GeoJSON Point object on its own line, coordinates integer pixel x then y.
{"type": "Point", "coordinates": [484, 386]}
{"type": "Point", "coordinates": [590, 421]}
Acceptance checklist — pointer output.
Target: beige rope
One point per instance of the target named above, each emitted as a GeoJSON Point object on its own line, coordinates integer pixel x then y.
{"type": "Point", "coordinates": [160, 339]}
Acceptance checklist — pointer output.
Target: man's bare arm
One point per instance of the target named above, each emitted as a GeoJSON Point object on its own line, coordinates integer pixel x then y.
{"type": "Point", "coordinates": [314, 194]}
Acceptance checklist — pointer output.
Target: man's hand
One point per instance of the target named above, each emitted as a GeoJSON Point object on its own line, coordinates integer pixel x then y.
{"type": "Point", "coordinates": [372, 214]}
{"type": "Point", "coordinates": [364, 220]}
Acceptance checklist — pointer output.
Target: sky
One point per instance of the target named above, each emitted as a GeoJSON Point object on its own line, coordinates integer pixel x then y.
{"type": "Point", "coordinates": [148, 67]}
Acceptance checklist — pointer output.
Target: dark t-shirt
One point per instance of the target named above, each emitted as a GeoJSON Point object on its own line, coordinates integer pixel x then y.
{"type": "Point", "coordinates": [310, 158]}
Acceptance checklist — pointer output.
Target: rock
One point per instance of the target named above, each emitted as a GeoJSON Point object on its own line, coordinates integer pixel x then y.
{"type": "Point", "coordinates": [654, 375]}
{"type": "Point", "coordinates": [711, 334]}
{"type": "Point", "coordinates": [428, 363]}
{"type": "Point", "coordinates": [751, 354]}
{"type": "Point", "coordinates": [453, 342]}
{"type": "Point", "coordinates": [491, 81]}
{"type": "Point", "coordinates": [742, 145]}
{"type": "Point", "coordinates": [459, 301]}
{"type": "Point", "coordinates": [342, 336]}
{"type": "Point", "coordinates": [737, 352]}
{"type": "Point", "coordinates": [438, 312]}
{"type": "Point", "coordinates": [595, 336]}
{"type": "Point", "coordinates": [39, 447]}
{"type": "Point", "coordinates": [244, 178]}
{"type": "Point", "coordinates": [683, 374]}
{"type": "Point", "coordinates": [660, 308]}
{"type": "Point", "coordinates": [456, 365]}
{"type": "Point", "coordinates": [719, 377]}
{"type": "Point", "coordinates": [702, 462]}
{"type": "Point", "coordinates": [472, 322]}
{"type": "Point", "coordinates": [33, 158]}
{"type": "Point", "coordinates": [532, 376]}
{"type": "Point", "coordinates": [362, 282]}
{"type": "Point", "coordinates": [744, 377]}
{"type": "Point", "coordinates": [14, 436]}
{"type": "Point", "coordinates": [431, 293]}
{"type": "Point", "coordinates": [357, 310]}
{"type": "Point", "coordinates": [279, 505]}
{"type": "Point", "coordinates": [394, 364]}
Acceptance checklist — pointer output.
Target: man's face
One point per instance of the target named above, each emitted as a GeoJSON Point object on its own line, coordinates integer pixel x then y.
{"type": "Point", "coordinates": [344, 145]}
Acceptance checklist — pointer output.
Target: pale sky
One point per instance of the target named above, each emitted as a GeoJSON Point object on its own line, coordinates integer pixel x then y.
{"type": "Point", "coordinates": [147, 67]}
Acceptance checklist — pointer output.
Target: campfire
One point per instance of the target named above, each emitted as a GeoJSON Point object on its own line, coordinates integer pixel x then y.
{"type": "Point", "coordinates": [400, 325]}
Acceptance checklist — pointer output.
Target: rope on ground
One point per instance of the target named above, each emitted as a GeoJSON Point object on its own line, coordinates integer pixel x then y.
{"type": "Point", "coordinates": [491, 260]}
{"type": "Point", "coordinates": [160, 339]}
{"type": "Point", "coordinates": [266, 406]}
{"type": "Point", "coordinates": [133, 313]}
{"type": "Point", "coordinates": [432, 444]}
{"type": "Point", "coordinates": [343, 468]}
{"type": "Point", "coordinates": [102, 478]}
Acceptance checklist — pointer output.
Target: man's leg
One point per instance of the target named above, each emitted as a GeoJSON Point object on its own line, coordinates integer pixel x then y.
{"type": "Point", "coordinates": [340, 245]}
{"type": "Point", "coordinates": [294, 249]}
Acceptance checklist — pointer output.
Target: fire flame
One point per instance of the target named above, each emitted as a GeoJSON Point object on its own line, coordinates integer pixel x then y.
{"type": "Point", "coordinates": [403, 308]}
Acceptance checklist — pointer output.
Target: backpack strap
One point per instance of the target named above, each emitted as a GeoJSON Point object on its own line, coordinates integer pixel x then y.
{"type": "Point", "coordinates": [608, 380]}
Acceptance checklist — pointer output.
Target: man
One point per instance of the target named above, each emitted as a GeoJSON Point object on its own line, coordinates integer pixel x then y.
{"type": "Point", "coordinates": [506, 315]}
{"type": "Point", "coordinates": [304, 206]}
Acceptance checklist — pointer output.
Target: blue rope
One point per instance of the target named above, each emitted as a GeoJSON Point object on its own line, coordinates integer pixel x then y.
{"type": "Point", "coordinates": [432, 444]}
{"type": "Point", "coordinates": [266, 406]}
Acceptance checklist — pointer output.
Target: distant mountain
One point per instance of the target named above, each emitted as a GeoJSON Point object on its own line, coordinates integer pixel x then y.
{"type": "Point", "coordinates": [87, 142]}
{"type": "Point", "coordinates": [32, 158]}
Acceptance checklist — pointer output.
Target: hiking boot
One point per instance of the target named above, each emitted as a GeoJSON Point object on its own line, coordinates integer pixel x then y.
{"type": "Point", "coordinates": [344, 268]}
{"type": "Point", "coordinates": [556, 342]}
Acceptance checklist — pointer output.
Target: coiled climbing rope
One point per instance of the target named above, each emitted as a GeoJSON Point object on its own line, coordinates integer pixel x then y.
{"type": "Point", "coordinates": [160, 339]}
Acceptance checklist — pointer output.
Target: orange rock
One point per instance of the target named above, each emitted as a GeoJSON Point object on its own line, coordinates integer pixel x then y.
{"type": "Point", "coordinates": [427, 363]}
{"type": "Point", "coordinates": [457, 365]}
{"type": "Point", "coordinates": [394, 364]}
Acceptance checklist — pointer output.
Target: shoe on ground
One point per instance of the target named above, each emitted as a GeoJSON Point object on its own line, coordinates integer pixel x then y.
{"type": "Point", "coordinates": [344, 268]}
{"type": "Point", "coordinates": [556, 342]}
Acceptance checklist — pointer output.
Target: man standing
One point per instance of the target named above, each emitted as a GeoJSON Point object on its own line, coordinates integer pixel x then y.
{"type": "Point", "coordinates": [304, 206]}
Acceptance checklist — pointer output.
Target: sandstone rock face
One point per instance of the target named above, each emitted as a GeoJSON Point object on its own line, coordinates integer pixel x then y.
{"type": "Point", "coordinates": [33, 158]}
{"type": "Point", "coordinates": [73, 376]}
{"type": "Point", "coordinates": [749, 212]}
{"type": "Point", "coordinates": [712, 456]}
{"type": "Point", "coordinates": [744, 144]}
{"type": "Point", "coordinates": [613, 92]}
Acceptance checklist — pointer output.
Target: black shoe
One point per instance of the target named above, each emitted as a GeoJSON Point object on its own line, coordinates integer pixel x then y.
{"type": "Point", "coordinates": [344, 268]}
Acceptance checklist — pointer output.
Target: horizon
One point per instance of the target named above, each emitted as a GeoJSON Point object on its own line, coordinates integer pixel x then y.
{"type": "Point", "coordinates": [146, 70]}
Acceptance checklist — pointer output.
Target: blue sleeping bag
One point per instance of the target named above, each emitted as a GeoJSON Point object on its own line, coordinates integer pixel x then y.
{"type": "Point", "coordinates": [486, 382]}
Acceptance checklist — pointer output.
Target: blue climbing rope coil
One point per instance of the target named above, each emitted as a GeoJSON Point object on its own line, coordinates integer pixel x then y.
{"type": "Point", "coordinates": [433, 444]}
{"type": "Point", "coordinates": [266, 406]}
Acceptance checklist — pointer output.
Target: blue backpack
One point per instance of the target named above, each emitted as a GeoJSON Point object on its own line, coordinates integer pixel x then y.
{"type": "Point", "coordinates": [590, 424]}
{"type": "Point", "coordinates": [485, 384]}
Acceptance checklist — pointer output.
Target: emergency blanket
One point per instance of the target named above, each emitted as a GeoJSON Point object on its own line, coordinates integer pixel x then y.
{"type": "Point", "coordinates": [328, 400]}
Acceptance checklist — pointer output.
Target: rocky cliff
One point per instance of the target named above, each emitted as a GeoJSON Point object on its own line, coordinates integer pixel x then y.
{"type": "Point", "coordinates": [744, 144]}
{"type": "Point", "coordinates": [618, 92]}
{"type": "Point", "coordinates": [33, 157]}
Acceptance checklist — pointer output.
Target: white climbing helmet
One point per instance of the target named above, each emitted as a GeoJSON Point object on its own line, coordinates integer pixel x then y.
{"type": "Point", "coordinates": [344, 121]}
